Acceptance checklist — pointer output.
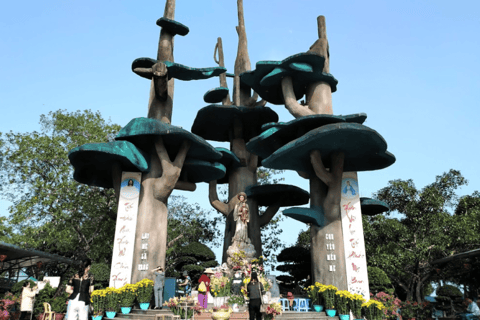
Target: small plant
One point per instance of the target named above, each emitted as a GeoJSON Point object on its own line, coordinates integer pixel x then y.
{"type": "Point", "coordinates": [98, 300]}
{"type": "Point", "coordinates": [409, 310]}
{"type": "Point", "coordinates": [342, 299]}
{"type": "Point", "coordinates": [59, 303]}
{"type": "Point", "coordinates": [273, 310]}
{"type": "Point", "coordinates": [372, 310]}
{"type": "Point", "coordinates": [355, 303]}
{"type": "Point", "coordinates": [391, 303]}
{"type": "Point", "coordinates": [220, 286]}
{"type": "Point", "coordinates": [314, 293]}
{"type": "Point", "coordinates": [238, 299]}
{"type": "Point", "coordinates": [6, 304]}
{"type": "Point", "coordinates": [328, 294]}
{"type": "Point", "coordinates": [127, 295]}
{"type": "Point", "coordinates": [174, 305]}
{"type": "Point", "coordinates": [144, 290]}
{"type": "Point", "coordinates": [111, 299]}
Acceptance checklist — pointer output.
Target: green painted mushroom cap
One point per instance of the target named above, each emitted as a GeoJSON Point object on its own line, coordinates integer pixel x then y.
{"type": "Point", "coordinates": [277, 136]}
{"type": "Point", "coordinates": [215, 95]}
{"type": "Point", "coordinates": [230, 161]}
{"type": "Point", "coordinates": [371, 207]}
{"type": "Point", "coordinates": [283, 194]}
{"type": "Point", "coordinates": [215, 122]}
{"type": "Point", "coordinates": [304, 68]}
{"type": "Point", "coordinates": [173, 27]}
{"type": "Point", "coordinates": [194, 170]}
{"type": "Point", "coordinates": [364, 148]}
{"type": "Point", "coordinates": [312, 215]}
{"type": "Point", "coordinates": [175, 70]}
{"type": "Point", "coordinates": [93, 161]}
{"type": "Point", "coordinates": [143, 131]}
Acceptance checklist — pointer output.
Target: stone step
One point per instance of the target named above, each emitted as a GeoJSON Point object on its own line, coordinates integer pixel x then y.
{"type": "Point", "coordinates": [138, 314]}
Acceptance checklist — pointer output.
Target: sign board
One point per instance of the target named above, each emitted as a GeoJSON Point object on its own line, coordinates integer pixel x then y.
{"type": "Point", "coordinates": [122, 258]}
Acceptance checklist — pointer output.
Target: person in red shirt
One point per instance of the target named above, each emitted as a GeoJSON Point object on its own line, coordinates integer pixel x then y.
{"type": "Point", "coordinates": [203, 296]}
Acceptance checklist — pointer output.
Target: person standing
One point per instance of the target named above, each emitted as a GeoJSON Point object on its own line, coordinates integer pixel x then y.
{"type": "Point", "coordinates": [255, 291]}
{"type": "Point", "coordinates": [158, 286]}
{"type": "Point", "coordinates": [28, 294]}
{"type": "Point", "coordinates": [187, 284]}
{"type": "Point", "coordinates": [204, 287]}
{"type": "Point", "coordinates": [80, 286]}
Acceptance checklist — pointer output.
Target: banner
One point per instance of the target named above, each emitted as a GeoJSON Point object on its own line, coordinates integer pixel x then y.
{"type": "Point", "coordinates": [122, 258]}
{"type": "Point", "coordinates": [354, 243]}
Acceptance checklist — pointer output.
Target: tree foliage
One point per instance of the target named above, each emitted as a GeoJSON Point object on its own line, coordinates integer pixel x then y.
{"type": "Point", "coordinates": [51, 211]}
{"type": "Point", "coordinates": [190, 230]}
{"type": "Point", "coordinates": [426, 230]}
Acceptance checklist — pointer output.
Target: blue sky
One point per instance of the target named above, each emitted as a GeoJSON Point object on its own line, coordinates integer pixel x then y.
{"type": "Point", "coordinates": [412, 66]}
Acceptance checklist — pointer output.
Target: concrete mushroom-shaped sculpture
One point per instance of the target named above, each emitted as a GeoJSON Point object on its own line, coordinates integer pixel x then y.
{"type": "Point", "coordinates": [324, 154]}
{"type": "Point", "coordinates": [301, 69]}
{"type": "Point", "coordinates": [230, 161]}
{"type": "Point", "coordinates": [101, 164]}
{"type": "Point", "coordinates": [276, 136]}
{"type": "Point", "coordinates": [371, 207]}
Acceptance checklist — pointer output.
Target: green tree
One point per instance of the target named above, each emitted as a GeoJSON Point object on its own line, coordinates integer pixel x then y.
{"type": "Point", "coordinates": [190, 230]}
{"type": "Point", "coordinates": [50, 211]}
{"type": "Point", "coordinates": [404, 248]}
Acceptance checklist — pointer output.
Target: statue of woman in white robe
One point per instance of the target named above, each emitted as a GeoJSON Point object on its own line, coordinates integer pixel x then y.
{"type": "Point", "coordinates": [241, 216]}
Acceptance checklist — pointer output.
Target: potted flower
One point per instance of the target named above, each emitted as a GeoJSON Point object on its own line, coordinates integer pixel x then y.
{"type": "Point", "coordinates": [144, 293]}
{"type": "Point", "coordinates": [98, 303]}
{"type": "Point", "coordinates": [355, 303]}
{"type": "Point", "coordinates": [5, 305]}
{"type": "Point", "coordinates": [174, 305]}
{"type": "Point", "coordinates": [127, 295]}
{"type": "Point", "coordinates": [111, 302]}
{"type": "Point", "coordinates": [328, 295]}
{"type": "Point", "coordinates": [314, 294]}
{"type": "Point", "coordinates": [220, 288]}
{"type": "Point", "coordinates": [273, 310]}
{"type": "Point", "coordinates": [235, 301]}
{"type": "Point", "coordinates": [221, 313]}
{"type": "Point", "coordinates": [408, 310]}
{"type": "Point", "coordinates": [342, 298]}
{"type": "Point", "coordinates": [372, 310]}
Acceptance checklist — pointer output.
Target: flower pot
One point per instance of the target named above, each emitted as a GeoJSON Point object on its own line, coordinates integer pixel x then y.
{"type": "Point", "coordinates": [97, 317]}
{"type": "Point", "coordinates": [344, 317]}
{"type": "Point", "coordinates": [126, 310]}
{"type": "Point", "coordinates": [221, 315]}
{"type": "Point", "coordinates": [59, 316]}
{"type": "Point", "coordinates": [111, 314]}
{"type": "Point", "coordinates": [318, 308]}
{"type": "Point", "coordinates": [331, 312]}
{"type": "Point", "coordinates": [144, 305]}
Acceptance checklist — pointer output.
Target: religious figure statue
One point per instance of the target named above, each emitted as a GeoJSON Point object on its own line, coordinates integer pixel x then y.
{"type": "Point", "coordinates": [242, 217]}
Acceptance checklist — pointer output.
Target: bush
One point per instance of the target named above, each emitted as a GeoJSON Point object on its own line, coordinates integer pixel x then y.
{"type": "Point", "coordinates": [45, 295]}
{"type": "Point", "coordinates": [379, 281]}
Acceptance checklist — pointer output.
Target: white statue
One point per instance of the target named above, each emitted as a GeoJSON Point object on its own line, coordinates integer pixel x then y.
{"type": "Point", "coordinates": [242, 216]}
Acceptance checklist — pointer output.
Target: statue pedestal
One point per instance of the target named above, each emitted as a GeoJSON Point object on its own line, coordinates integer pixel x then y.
{"type": "Point", "coordinates": [243, 248]}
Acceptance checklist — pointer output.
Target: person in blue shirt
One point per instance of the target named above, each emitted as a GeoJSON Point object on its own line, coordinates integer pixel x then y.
{"type": "Point", "coordinates": [187, 284]}
{"type": "Point", "coordinates": [473, 312]}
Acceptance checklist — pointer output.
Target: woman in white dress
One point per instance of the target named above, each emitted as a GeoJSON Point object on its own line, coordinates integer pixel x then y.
{"type": "Point", "coordinates": [242, 216]}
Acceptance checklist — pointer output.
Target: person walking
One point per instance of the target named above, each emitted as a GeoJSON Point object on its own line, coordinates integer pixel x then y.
{"type": "Point", "coordinates": [204, 287]}
{"type": "Point", "coordinates": [255, 291]}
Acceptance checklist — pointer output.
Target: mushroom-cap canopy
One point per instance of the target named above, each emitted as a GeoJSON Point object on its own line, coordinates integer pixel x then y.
{"type": "Point", "coordinates": [144, 131]}
{"type": "Point", "coordinates": [230, 161]}
{"type": "Point", "coordinates": [216, 122]}
{"type": "Point", "coordinates": [215, 95]}
{"type": "Point", "coordinates": [173, 27]}
{"type": "Point", "coordinates": [371, 207]}
{"type": "Point", "coordinates": [142, 67]}
{"type": "Point", "coordinates": [304, 68]}
{"type": "Point", "coordinates": [93, 162]}
{"type": "Point", "coordinates": [276, 136]}
{"type": "Point", "coordinates": [282, 194]}
{"type": "Point", "coordinates": [364, 149]}
{"type": "Point", "coordinates": [312, 215]}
